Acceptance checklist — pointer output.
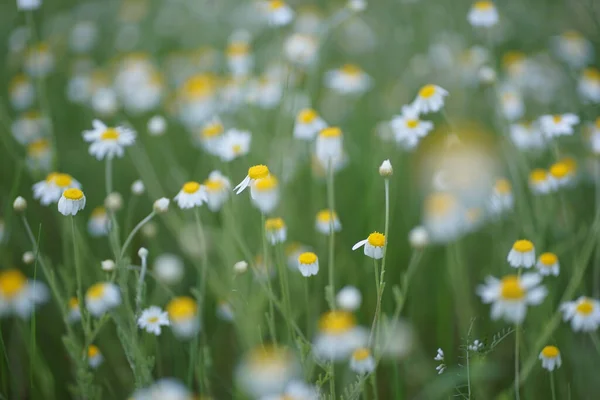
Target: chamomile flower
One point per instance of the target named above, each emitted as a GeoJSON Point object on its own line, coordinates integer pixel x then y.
{"type": "Point", "coordinates": [255, 173]}
{"type": "Point", "coordinates": [217, 188]}
{"type": "Point", "coordinates": [239, 56]}
{"type": "Point", "coordinates": [558, 124]}
{"type": "Point", "coordinates": [20, 295]}
{"type": "Point", "coordinates": [296, 390]}
{"type": "Point", "coordinates": [483, 14]}
{"type": "Point", "coordinates": [183, 315]}
{"type": "Point", "coordinates": [522, 254]}
{"type": "Point", "coordinates": [547, 264]}
{"type": "Point", "coordinates": [30, 126]}
{"type": "Point", "coordinates": [512, 104]}
{"type": "Point", "coordinates": [197, 100]}
{"type": "Point", "coordinates": [443, 216]}
{"type": "Point", "coordinates": [527, 136]}
{"type": "Point", "coordinates": [349, 298]}
{"type": "Point", "coordinates": [275, 230]}
{"type": "Point", "coordinates": [277, 12]}
{"type": "Point", "coordinates": [418, 237]}
{"type": "Point", "coordinates": [99, 223]}
{"type": "Point", "coordinates": [152, 319]}
{"type": "Point", "coordinates": [235, 143]}
{"type": "Point", "coordinates": [168, 268]}
{"type": "Point", "coordinates": [348, 79]}
{"type": "Point", "coordinates": [74, 310]}
{"type": "Point", "coordinates": [39, 155]}
{"type": "Point", "coordinates": [511, 295]}
{"type": "Point", "coordinates": [408, 128]}
{"type": "Point", "coordinates": [28, 5]}
{"type": "Point", "coordinates": [308, 264]}
{"type": "Point", "coordinates": [94, 356]}
{"type": "Point", "coordinates": [292, 251]}
{"type": "Point", "coordinates": [589, 85]}
{"type": "Point", "coordinates": [573, 48]}
{"type": "Point", "coordinates": [539, 181]}
{"type": "Point", "coordinates": [308, 124]}
{"type": "Point", "coordinates": [21, 92]}
{"type": "Point", "coordinates": [429, 99]}
{"type": "Point", "coordinates": [584, 314]}
{"type": "Point", "coordinates": [374, 245]}
{"type": "Point", "coordinates": [102, 297]}
{"type": "Point", "coordinates": [338, 336]}
{"type": "Point", "coordinates": [165, 388]}
{"type": "Point", "coordinates": [301, 49]}
{"type": "Point", "coordinates": [560, 174]}
{"type": "Point", "coordinates": [192, 194]}
{"type": "Point", "coordinates": [264, 194]}
{"type": "Point", "coordinates": [157, 125]}
{"type": "Point", "coordinates": [362, 361]}
{"type": "Point", "coordinates": [71, 202]}
{"type": "Point", "coordinates": [107, 141]}
{"type": "Point", "coordinates": [225, 311]}
{"type": "Point", "coordinates": [502, 198]}
{"type": "Point", "coordinates": [211, 136]}
{"type": "Point", "coordinates": [327, 221]}
{"type": "Point", "coordinates": [39, 60]}
{"type": "Point", "coordinates": [50, 189]}
{"type": "Point", "coordinates": [329, 150]}
{"type": "Point", "coordinates": [550, 357]}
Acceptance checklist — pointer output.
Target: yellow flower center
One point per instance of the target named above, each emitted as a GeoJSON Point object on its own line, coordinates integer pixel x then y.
{"type": "Point", "coordinates": [269, 355]}
{"type": "Point", "coordinates": [73, 194]}
{"type": "Point", "coordinates": [427, 91]}
{"type": "Point", "coordinates": [93, 351]}
{"type": "Point", "coordinates": [440, 203]}
{"type": "Point", "coordinates": [585, 307]}
{"type": "Point", "coordinates": [332, 131]}
{"type": "Point", "coordinates": [572, 35]}
{"type": "Point", "coordinates": [212, 130]}
{"type": "Point", "coordinates": [99, 212]}
{"type": "Point", "coordinates": [376, 239]}
{"type": "Point", "coordinates": [276, 4]}
{"type": "Point", "coordinates": [110, 134]}
{"type": "Point", "coordinates": [557, 118]}
{"type": "Point", "coordinates": [307, 258]}
{"type": "Point", "coordinates": [351, 69]}
{"type": "Point", "coordinates": [523, 246]}
{"type": "Point", "coordinates": [361, 354]}
{"type": "Point", "coordinates": [548, 259]}
{"type": "Point", "coordinates": [199, 86]}
{"type": "Point", "coordinates": [190, 187]}
{"type": "Point", "coordinates": [274, 224]}
{"type": "Point", "coordinates": [592, 74]}
{"type": "Point", "coordinates": [598, 123]}
{"type": "Point", "coordinates": [503, 186]}
{"type": "Point", "coordinates": [511, 289]}
{"type": "Point", "coordinates": [38, 147]}
{"type": "Point", "coordinates": [213, 185]}
{"type": "Point", "coordinates": [267, 183]}
{"type": "Point", "coordinates": [292, 248]}
{"type": "Point", "coordinates": [307, 116]}
{"type": "Point", "coordinates": [559, 170]}
{"type": "Point", "coordinates": [182, 308]}
{"type": "Point", "coordinates": [550, 351]}
{"type": "Point", "coordinates": [73, 302]}
{"type": "Point", "coordinates": [238, 49]}
{"type": "Point", "coordinates": [538, 175]}
{"type": "Point", "coordinates": [62, 180]}
{"type": "Point", "coordinates": [153, 320]}
{"type": "Point", "coordinates": [325, 216]}
{"type": "Point", "coordinates": [12, 282]}
{"type": "Point", "coordinates": [483, 5]}
{"type": "Point", "coordinates": [336, 322]}
{"type": "Point", "coordinates": [236, 148]}
{"type": "Point", "coordinates": [570, 163]}
{"type": "Point", "coordinates": [412, 123]}
{"type": "Point", "coordinates": [96, 291]}
{"type": "Point", "coordinates": [258, 172]}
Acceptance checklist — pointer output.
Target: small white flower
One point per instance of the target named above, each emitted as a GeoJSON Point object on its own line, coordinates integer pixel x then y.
{"type": "Point", "coordinates": [408, 128]}
{"type": "Point", "coordinates": [558, 124]}
{"type": "Point", "coordinates": [550, 356]}
{"type": "Point", "coordinates": [440, 368]}
{"type": "Point", "coordinates": [264, 194]}
{"type": "Point", "coordinates": [540, 182]}
{"type": "Point", "coordinates": [20, 204]}
{"type": "Point", "coordinates": [277, 12]}
{"type": "Point", "coordinates": [191, 195]}
{"type": "Point", "coordinates": [114, 201]}
{"type": "Point", "coordinates": [439, 355]}
{"type": "Point", "coordinates": [95, 358]}
{"type": "Point", "coordinates": [338, 336]}
{"type": "Point", "coordinates": [301, 49]}
{"type": "Point", "coordinates": [71, 202]}
{"type": "Point", "coordinates": [476, 346]}
{"type": "Point", "coordinates": [225, 311]}
{"type": "Point", "coordinates": [108, 265]}
{"type": "Point", "coordinates": [522, 254]}
{"type": "Point", "coordinates": [385, 169]}
{"type": "Point", "coordinates": [308, 264]}
{"type": "Point", "coordinates": [374, 245]}
{"type": "Point", "coordinates": [50, 189]}
{"type": "Point", "coordinates": [183, 315]}
{"type": "Point", "coordinates": [138, 188]}
{"type": "Point", "coordinates": [99, 223]}
{"type": "Point", "coordinates": [19, 295]}
{"type": "Point", "coordinates": [584, 314]}
{"type": "Point", "coordinates": [308, 124]}
{"type": "Point", "coordinates": [240, 267]}
{"type": "Point", "coordinates": [28, 257]}
{"type": "Point", "coordinates": [527, 136]}
{"type": "Point", "coordinates": [168, 268]}
{"type": "Point", "coordinates": [211, 136]}
{"type": "Point", "coordinates": [348, 79]}
{"type": "Point", "coordinates": [74, 310]}
{"type": "Point", "coordinates": [275, 230]}
{"type": "Point", "coordinates": [430, 99]}
{"type": "Point", "coordinates": [573, 48]}
{"type": "Point", "coordinates": [502, 198]}
{"type": "Point", "coordinates": [327, 221]}
{"type": "Point", "coordinates": [589, 85]}
{"type": "Point", "coordinates": [349, 298]}
{"type": "Point", "coordinates": [357, 5]}
{"type": "Point", "coordinates": [157, 125]}
{"type": "Point", "coordinates": [511, 101]}
{"type": "Point", "coordinates": [254, 173]}
{"type": "Point", "coordinates": [108, 142]}
{"type": "Point", "coordinates": [418, 237]}
{"type": "Point", "coordinates": [161, 205]}
{"type": "Point", "coordinates": [483, 14]}
{"type": "Point", "coordinates": [547, 264]}
{"type": "Point", "coordinates": [102, 297]}
{"type": "Point", "coordinates": [217, 188]}
{"type": "Point", "coordinates": [329, 148]}
{"type": "Point", "coordinates": [152, 319]}
{"type": "Point", "coordinates": [362, 361]}
{"type": "Point", "coordinates": [234, 144]}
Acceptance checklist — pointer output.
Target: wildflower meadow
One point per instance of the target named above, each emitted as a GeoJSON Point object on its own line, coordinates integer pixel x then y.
{"type": "Point", "coordinates": [299, 200]}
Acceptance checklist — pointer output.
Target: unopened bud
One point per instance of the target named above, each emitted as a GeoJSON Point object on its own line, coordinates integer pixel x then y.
{"type": "Point", "coordinates": [108, 265]}
{"type": "Point", "coordinates": [138, 188]}
{"type": "Point", "coordinates": [386, 168]}
{"type": "Point", "coordinates": [161, 205]}
{"type": "Point", "coordinates": [28, 257]}
{"type": "Point", "coordinates": [114, 201]}
{"type": "Point", "coordinates": [240, 267]}
{"type": "Point", "coordinates": [20, 204]}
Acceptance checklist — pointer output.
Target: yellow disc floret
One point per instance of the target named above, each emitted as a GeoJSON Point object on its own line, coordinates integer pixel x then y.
{"type": "Point", "coordinates": [361, 354]}
{"type": "Point", "coordinates": [325, 216]}
{"type": "Point", "coordinates": [336, 322]}
{"type": "Point", "coordinates": [258, 172]}
{"type": "Point", "coordinates": [12, 282]}
{"type": "Point", "coordinates": [73, 302]}
{"type": "Point", "coordinates": [351, 69]}
{"type": "Point", "coordinates": [376, 239]}
{"type": "Point", "coordinates": [61, 180]}
{"type": "Point", "coordinates": [548, 259]}
{"type": "Point", "coordinates": [307, 258]}
{"type": "Point", "coordinates": [307, 116]}
{"type": "Point", "coordinates": [267, 183]}
{"type": "Point", "coordinates": [190, 187]}
{"type": "Point", "coordinates": [427, 91]}
{"type": "Point", "coordinates": [503, 186]}
{"type": "Point", "coordinates": [523, 246]}
{"type": "Point", "coordinates": [110, 134]}
{"type": "Point", "coordinates": [559, 170]}
{"type": "Point", "coordinates": [212, 130]}
{"type": "Point", "coordinates": [182, 308]}
{"type": "Point", "coordinates": [550, 351]}
{"type": "Point", "coordinates": [95, 291]}
{"type": "Point", "coordinates": [585, 306]}
{"type": "Point", "coordinates": [412, 123]}
{"type": "Point", "coordinates": [73, 194]}
{"type": "Point", "coordinates": [483, 5]}
{"type": "Point", "coordinates": [274, 224]}
{"type": "Point", "coordinates": [332, 131]}
{"type": "Point", "coordinates": [511, 288]}
{"type": "Point", "coordinates": [538, 175]}
{"type": "Point", "coordinates": [213, 185]}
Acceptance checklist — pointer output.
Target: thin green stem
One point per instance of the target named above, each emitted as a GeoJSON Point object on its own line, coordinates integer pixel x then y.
{"type": "Point", "coordinates": [331, 263]}
{"type": "Point", "coordinates": [283, 282]}
{"type": "Point", "coordinates": [517, 336]}
{"type": "Point", "coordinates": [134, 231]}
{"type": "Point", "coordinates": [378, 305]}
{"type": "Point", "coordinates": [374, 385]}
{"type": "Point", "coordinates": [307, 303]}
{"type": "Point", "coordinates": [108, 176]}
{"type": "Point", "coordinates": [78, 275]}
{"type": "Point", "coordinates": [595, 341]}
{"type": "Point", "coordinates": [202, 277]}
{"type": "Point", "coordinates": [332, 380]}
{"type": "Point", "coordinates": [552, 386]}
{"type": "Point", "coordinates": [265, 248]}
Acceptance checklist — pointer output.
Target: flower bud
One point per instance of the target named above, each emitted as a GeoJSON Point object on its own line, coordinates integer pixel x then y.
{"type": "Point", "coordinates": [108, 265]}
{"type": "Point", "coordinates": [20, 204]}
{"type": "Point", "coordinates": [114, 201]}
{"type": "Point", "coordinates": [161, 205]}
{"type": "Point", "coordinates": [386, 169]}
{"type": "Point", "coordinates": [28, 257]}
{"type": "Point", "coordinates": [138, 188]}
{"type": "Point", "coordinates": [240, 267]}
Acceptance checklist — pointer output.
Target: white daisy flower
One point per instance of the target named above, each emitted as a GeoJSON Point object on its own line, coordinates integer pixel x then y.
{"type": "Point", "coordinates": [239, 57]}
{"type": "Point", "coordinates": [108, 142]}
{"type": "Point", "coordinates": [561, 174]}
{"type": "Point", "coordinates": [183, 315]}
{"type": "Point", "coordinates": [39, 155]}
{"type": "Point", "coordinates": [39, 60]}
{"type": "Point", "coordinates": [527, 136]}
{"type": "Point", "coordinates": [547, 264]}
{"type": "Point", "coordinates": [308, 264]}
{"type": "Point", "coordinates": [348, 79]}
{"type": "Point", "coordinates": [225, 311]}
{"type": "Point", "coordinates": [50, 189]}
{"type": "Point", "coordinates": [584, 314]}
{"type": "Point", "coordinates": [444, 217]}
{"type": "Point", "coordinates": [308, 124]}
{"type": "Point", "coordinates": [408, 128]}
{"type": "Point", "coordinates": [540, 182]}
{"type": "Point", "coordinates": [264, 194]}
{"type": "Point", "coordinates": [502, 198]}
{"type": "Point", "coordinates": [558, 124]}
{"type": "Point", "coordinates": [152, 319]}
{"type": "Point", "coordinates": [327, 221]}
{"type": "Point", "coordinates": [349, 298]}
{"type": "Point", "coordinates": [275, 230]}
{"type": "Point", "coordinates": [329, 147]}
{"type": "Point", "coordinates": [211, 136]}
{"type": "Point", "coordinates": [161, 205]}
{"type": "Point", "coordinates": [99, 223]}
{"type": "Point", "coordinates": [522, 254]}
{"type": "Point", "coordinates": [254, 173]}
{"type": "Point", "coordinates": [235, 143]}
{"type": "Point", "coordinates": [192, 194]}
{"type": "Point", "coordinates": [277, 12]}
{"type": "Point", "coordinates": [374, 245]}
{"type": "Point", "coordinates": [28, 5]}
{"type": "Point", "coordinates": [157, 125]}
{"type": "Point", "coordinates": [21, 92]}
{"type": "Point", "coordinates": [168, 268]}
{"type": "Point", "coordinates": [102, 297]}
{"type": "Point", "coordinates": [217, 188]}
{"type": "Point", "coordinates": [296, 390]}
{"type": "Point", "coordinates": [550, 356]}
{"type": "Point", "coordinates": [483, 14]}
{"type": "Point", "coordinates": [430, 99]}
{"type": "Point", "coordinates": [338, 336]}
{"type": "Point", "coordinates": [589, 85]}
{"type": "Point", "coordinates": [418, 237]}
{"type": "Point", "coordinates": [29, 127]}
{"type": "Point", "coordinates": [95, 358]}
{"type": "Point", "coordinates": [301, 49]}
{"type": "Point", "coordinates": [74, 310]}
{"type": "Point", "coordinates": [512, 104]}
{"type": "Point", "coordinates": [511, 295]}
{"type": "Point", "coordinates": [71, 202]}
{"type": "Point", "coordinates": [573, 48]}
{"type": "Point", "coordinates": [166, 389]}
{"type": "Point", "coordinates": [362, 361]}
{"type": "Point", "coordinates": [19, 295]}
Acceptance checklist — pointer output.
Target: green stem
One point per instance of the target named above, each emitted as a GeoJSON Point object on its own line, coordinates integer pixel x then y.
{"type": "Point", "coordinates": [271, 319]}
{"type": "Point", "coordinates": [108, 175]}
{"type": "Point", "coordinates": [202, 277]}
{"type": "Point", "coordinates": [307, 302]}
{"type": "Point", "coordinates": [517, 336]}
{"type": "Point", "coordinates": [78, 276]}
{"type": "Point", "coordinates": [133, 232]}
{"type": "Point", "coordinates": [374, 384]}
{"type": "Point", "coordinates": [552, 386]}
{"type": "Point", "coordinates": [331, 263]}
{"type": "Point", "coordinates": [283, 282]}
{"type": "Point", "coordinates": [595, 341]}
{"type": "Point", "coordinates": [378, 305]}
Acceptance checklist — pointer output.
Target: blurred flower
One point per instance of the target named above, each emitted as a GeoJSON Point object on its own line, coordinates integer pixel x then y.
{"type": "Point", "coordinates": [99, 223]}
{"type": "Point", "coordinates": [39, 60]}
{"type": "Point", "coordinates": [329, 150]}
{"type": "Point", "coordinates": [71, 202]}
{"type": "Point", "coordinates": [584, 314]}
{"type": "Point", "coordinates": [39, 155]}
{"type": "Point", "coordinates": [349, 298]}
{"type": "Point", "coordinates": [265, 91]}
{"type": "Point", "coordinates": [28, 258]}
{"type": "Point", "coordinates": [27, 5]}
{"type": "Point", "coordinates": [94, 356]}
{"type": "Point", "coordinates": [157, 125]}
{"type": "Point", "coordinates": [104, 102]}
{"type": "Point", "coordinates": [161, 205]}
{"type": "Point", "coordinates": [235, 143]}
{"type": "Point", "coordinates": [418, 237]}
{"type": "Point", "coordinates": [483, 14]}
{"type": "Point", "coordinates": [22, 92]}
{"type": "Point", "coordinates": [476, 346]}
{"type": "Point", "coordinates": [84, 35]}
{"type": "Point", "coordinates": [225, 311]}
{"type": "Point", "coordinates": [183, 315]}
{"type": "Point", "coordinates": [429, 99]}
{"type": "Point", "coordinates": [19, 295]}
{"type": "Point", "coordinates": [408, 128]}
{"type": "Point", "coordinates": [74, 310]}
{"type": "Point", "coordinates": [20, 204]}
{"type": "Point", "coordinates": [512, 103]}
{"type": "Point", "coordinates": [138, 188]}
{"type": "Point", "coordinates": [550, 357]}
{"type": "Point", "coordinates": [547, 264]}
{"type": "Point", "coordinates": [502, 198]}
{"type": "Point", "coordinates": [211, 136]}
{"type": "Point", "coordinates": [385, 169]}
{"type": "Point", "coordinates": [327, 221]}
{"type": "Point", "coordinates": [168, 268]}
{"type": "Point", "coordinates": [191, 195]}
{"type": "Point", "coordinates": [217, 188]}
{"type": "Point", "coordinates": [164, 389]}
{"type": "Point", "coordinates": [275, 230]}
{"type": "Point", "coordinates": [308, 264]}
{"type": "Point", "coordinates": [255, 173]}
{"type": "Point", "coordinates": [589, 85]}
{"type": "Point", "coordinates": [539, 181]}
{"type": "Point", "coordinates": [29, 127]}
{"type": "Point", "coordinates": [240, 267]}
{"type": "Point", "coordinates": [338, 336]}
{"type": "Point", "coordinates": [50, 190]}
{"type": "Point", "coordinates": [277, 12]}
{"type": "Point", "coordinates": [114, 201]}
{"type": "Point", "coordinates": [348, 79]}
{"type": "Point", "coordinates": [264, 194]}
{"type": "Point", "coordinates": [296, 390]}
{"type": "Point", "coordinates": [560, 175]}
{"type": "Point", "coordinates": [522, 254]}
{"type": "Point", "coordinates": [108, 142]}
{"type": "Point", "coordinates": [558, 124]}
{"type": "Point", "coordinates": [108, 265]}
{"type": "Point", "coordinates": [573, 48]}
{"type": "Point", "coordinates": [102, 297]}
{"type": "Point", "coordinates": [152, 319]}
{"type": "Point", "coordinates": [511, 295]}
{"type": "Point", "coordinates": [362, 361]}
{"type": "Point", "coordinates": [308, 124]}
{"type": "Point", "coordinates": [301, 49]}
{"type": "Point", "coordinates": [239, 57]}
{"type": "Point", "coordinates": [440, 357]}
{"type": "Point", "coordinates": [527, 136]}
{"type": "Point", "coordinates": [443, 217]}
{"type": "Point", "coordinates": [374, 245]}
